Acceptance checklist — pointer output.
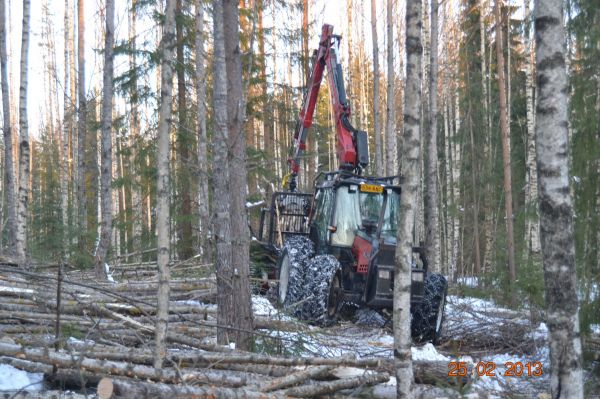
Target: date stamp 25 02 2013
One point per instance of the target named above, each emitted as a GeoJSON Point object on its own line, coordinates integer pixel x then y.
{"type": "Point", "coordinates": [490, 369]}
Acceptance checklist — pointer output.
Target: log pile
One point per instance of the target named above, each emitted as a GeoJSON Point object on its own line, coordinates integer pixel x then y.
{"type": "Point", "coordinates": [102, 335]}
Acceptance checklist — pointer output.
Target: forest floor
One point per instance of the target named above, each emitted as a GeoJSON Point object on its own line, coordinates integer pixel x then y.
{"type": "Point", "coordinates": [112, 322]}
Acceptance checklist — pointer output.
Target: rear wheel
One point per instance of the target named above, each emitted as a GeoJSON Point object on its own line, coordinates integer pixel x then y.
{"type": "Point", "coordinates": [291, 267]}
{"type": "Point", "coordinates": [428, 318]}
{"type": "Point", "coordinates": [323, 290]}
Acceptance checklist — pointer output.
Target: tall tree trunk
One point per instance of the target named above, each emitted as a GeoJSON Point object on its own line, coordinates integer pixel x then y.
{"type": "Point", "coordinates": [9, 156]}
{"type": "Point", "coordinates": [184, 142]}
{"type": "Point", "coordinates": [555, 203]}
{"type": "Point", "coordinates": [410, 186]}
{"type": "Point", "coordinates": [67, 125]}
{"type": "Point", "coordinates": [134, 161]}
{"type": "Point", "coordinates": [221, 218]}
{"type": "Point", "coordinates": [21, 242]}
{"type": "Point", "coordinates": [241, 317]}
{"type": "Point", "coordinates": [431, 193]}
{"type": "Point", "coordinates": [203, 169]}
{"type": "Point", "coordinates": [81, 129]}
{"type": "Point", "coordinates": [456, 179]}
{"type": "Point", "coordinates": [376, 128]}
{"type": "Point", "coordinates": [106, 157]}
{"type": "Point", "coordinates": [390, 134]}
{"type": "Point", "coordinates": [163, 184]}
{"type": "Point", "coordinates": [532, 225]}
{"type": "Point", "coordinates": [510, 241]}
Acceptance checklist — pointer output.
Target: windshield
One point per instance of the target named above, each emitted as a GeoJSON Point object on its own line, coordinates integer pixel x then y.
{"type": "Point", "coordinates": [355, 210]}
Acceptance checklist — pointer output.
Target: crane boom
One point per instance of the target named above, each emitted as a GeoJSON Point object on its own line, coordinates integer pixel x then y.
{"type": "Point", "coordinates": [351, 144]}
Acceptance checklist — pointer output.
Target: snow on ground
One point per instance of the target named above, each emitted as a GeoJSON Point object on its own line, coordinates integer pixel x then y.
{"type": "Point", "coordinates": [12, 379]}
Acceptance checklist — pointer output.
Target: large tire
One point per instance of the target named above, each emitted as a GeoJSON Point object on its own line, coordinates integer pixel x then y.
{"type": "Point", "coordinates": [428, 318]}
{"type": "Point", "coordinates": [323, 292]}
{"type": "Point", "coordinates": [291, 268]}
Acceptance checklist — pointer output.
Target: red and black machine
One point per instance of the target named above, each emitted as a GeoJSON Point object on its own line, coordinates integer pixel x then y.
{"type": "Point", "coordinates": [336, 245]}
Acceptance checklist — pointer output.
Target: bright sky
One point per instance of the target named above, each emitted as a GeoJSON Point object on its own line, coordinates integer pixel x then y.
{"type": "Point", "coordinates": [333, 12]}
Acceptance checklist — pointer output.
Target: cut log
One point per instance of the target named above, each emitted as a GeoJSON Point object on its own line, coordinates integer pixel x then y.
{"type": "Point", "coordinates": [110, 388]}
{"type": "Point", "coordinates": [294, 379]}
{"type": "Point", "coordinates": [324, 388]}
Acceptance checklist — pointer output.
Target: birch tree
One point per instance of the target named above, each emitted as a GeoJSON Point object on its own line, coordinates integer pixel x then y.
{"type": "Point", "coordinates": [106, 156]}
{"type": "Point", "coordinates": [376, 128]}
{"type": "Point", "coordinates": [431, 193]}
{"type": "Point", "coordinates": [555, 203]}
{"type": "Point", "coordinates": [9, 171]}
{"type": "Point", "coordinates": [390, 115]}
{"type": "Point", "coordinates": [410, 186]}
{"type": "Point", "coordinates": [64, 155]}
{"type": "Point", "coordinates": [532, 225]}
{"type": "Point", "coordinates": [241, 317]}
{"type": "Point", "coordinates": [21, 238]}
{"type": "Point", "coordinates": [163, 182]}
{"type": "Point", "coordinates": [81, 125]}
{"type": "Point", "coordinates": [508, 206]}
{"type": "Point", "coordinates": [203, 172]}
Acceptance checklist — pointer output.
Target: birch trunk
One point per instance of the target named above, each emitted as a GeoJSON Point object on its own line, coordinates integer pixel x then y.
{"type": "Point", "coordinates": [532, 225]}
{"type": "Point", "coordinates": [203, 173]}
{"type": "Point", "coordinates": [66, 125]}
{"type": "Point", "coordinates": [136, 200]}
{"type": "Point", "coordinates": [184, 142]}
{"type": "Point", "coordinates": [410, 187]}
{"type": "Point", "coordinates": [9, 156]}
{"type": "Point", "coordinates": [510, 241]}
{"type": "Point", "coordinates": [390, 134]}
{"type": "Point", "coordinates": [163, 184]}
{"type": "Point", "coordinates": [456, 176]}
{"type": "Point", "coordinates": [432, 243]}
{"type": "Point", "coordinates": [555, 203]}
{"type": "Point", "coordinates": [21, 238]}
{"type": "Point", "coordinates": [221, 218]}
{"type": "Point", "coordinates": [106, 155]}
{"type": "Point", "coordinates": [241, 317]}
{"type": "Point", "coordinates": [81, 127]}
{"type": "Point", "coordinates": [376, 128]}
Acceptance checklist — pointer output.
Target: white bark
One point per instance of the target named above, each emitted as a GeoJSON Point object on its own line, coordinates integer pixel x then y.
{"type": "Point", "coordinates": [410, 187]}
{"type": "Point", "coordinates": [390, 134]}
{"type": "Point", "coordinates": [163, 183]}
{"type": "Point", "coordinates": [203, 169]}
{"type": "Point", "coordinates": [376, 99]}
{"type": "Point", "coordinates": [431, 192]}
{"type": "Point", "coordinates": [532, 224]}
{"type": "Point", "coordinates": [9, 171]}
{"type": "Point", "coordinates": [81, 126]}
{"type": "Point", "coordinates": [456, 176]}
{"type": "Point", "coordinates": [555, 203]}
{"type": "Point", "coordinates": [21, 238]}
{"type": "Point", "coordinates": [66, 125]}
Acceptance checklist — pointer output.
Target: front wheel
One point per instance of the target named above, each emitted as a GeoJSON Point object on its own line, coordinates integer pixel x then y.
{"type": "Point", "coordinates": [291, 266]}
{"type": "Point", "coordinates": [428, 318]}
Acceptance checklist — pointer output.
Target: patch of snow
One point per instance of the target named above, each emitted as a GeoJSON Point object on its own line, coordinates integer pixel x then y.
{"type": "Point", "coordinates": [468, 281]}
{"type": "Point", "coordinates": [541, 332]}
{"type": "Point", "coordinates": [261, 306]}
{"type": "Point", "coordinates": [253, 204]}
{"type": "Point", "coordinates": [73, 341]}
{"type": "Point", "coordinates": [595, 328]}
{"type": "Point", "coordinates": [428, 353]}
{"type": "Point", "coordinates": [14, 379]}
{"type": "Point", "coordinates": [109, 276]}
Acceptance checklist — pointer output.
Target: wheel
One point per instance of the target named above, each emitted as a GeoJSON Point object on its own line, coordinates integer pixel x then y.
{"type": "Point", "coordinates": [291, 267]}
{"type": "Point", "coordinates": [428, 318]}
{"type": "Point", "coordinates": [323, 290]}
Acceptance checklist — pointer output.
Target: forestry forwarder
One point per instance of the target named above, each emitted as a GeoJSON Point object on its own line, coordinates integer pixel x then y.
{"type": "Point", "coordinates": [337, 246]}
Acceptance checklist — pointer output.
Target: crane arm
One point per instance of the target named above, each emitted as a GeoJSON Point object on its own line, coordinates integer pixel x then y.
{"type": "Point", "coordinates": [351, 144]}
